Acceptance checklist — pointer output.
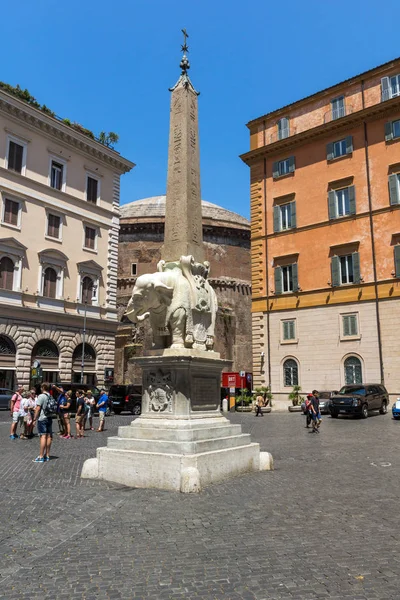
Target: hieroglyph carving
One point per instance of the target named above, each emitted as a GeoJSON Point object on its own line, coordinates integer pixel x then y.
{"type": "Point", "coordinates": [160, 389]}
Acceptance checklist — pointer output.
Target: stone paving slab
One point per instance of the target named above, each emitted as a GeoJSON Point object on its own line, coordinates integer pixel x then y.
{"type": "Point", "coordinates": [322, 525]}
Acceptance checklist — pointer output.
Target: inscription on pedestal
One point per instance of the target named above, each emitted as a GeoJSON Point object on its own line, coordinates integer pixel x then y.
{"type": "Point", "coordinates": [205, 394]}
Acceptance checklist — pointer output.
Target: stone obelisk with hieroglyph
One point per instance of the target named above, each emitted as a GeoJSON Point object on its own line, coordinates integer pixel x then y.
{"type": "Point", "coordinates": [183, 220]}
{"type": "Point", "coordinates": [181, 441]}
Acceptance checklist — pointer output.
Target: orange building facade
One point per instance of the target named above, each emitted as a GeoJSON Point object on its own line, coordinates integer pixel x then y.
{"type": "Point", "coordinates": [325, 200]}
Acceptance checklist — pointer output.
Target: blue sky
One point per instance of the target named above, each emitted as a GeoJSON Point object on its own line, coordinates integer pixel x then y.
{"type": "Point", "coordinates": [108, 65]}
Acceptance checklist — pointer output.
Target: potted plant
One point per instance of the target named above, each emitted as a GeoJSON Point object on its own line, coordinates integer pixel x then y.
{"type": "Point", "coordinates": [296, 399]}
{"type": "Point", "coordinates": [243, 401]}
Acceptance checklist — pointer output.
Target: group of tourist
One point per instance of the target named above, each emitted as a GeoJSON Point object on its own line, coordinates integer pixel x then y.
{"type": "Point", "coordinates": [29, 410]}
{"type": "Point", "coordinates": [312, 411]}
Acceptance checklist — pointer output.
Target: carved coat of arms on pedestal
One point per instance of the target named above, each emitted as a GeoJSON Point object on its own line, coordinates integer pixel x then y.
{"type": "Point", "coordinates": [160, 390]}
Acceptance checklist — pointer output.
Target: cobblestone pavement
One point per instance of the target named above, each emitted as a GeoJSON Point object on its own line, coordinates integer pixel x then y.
{"type": "Point", "coordinates": [324, 524]}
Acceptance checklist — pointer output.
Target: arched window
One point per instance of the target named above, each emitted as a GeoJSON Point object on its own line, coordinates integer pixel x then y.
{"type": "Point", "coordinates": [87, 290]}
{"type": "Point", "coordinates": [290, 373]}
{"type": "Point", "coordinates": [49, 283]}
{"type": "Point", "coordinates": [7, 346]}
{"type": "Point", "coordinates": [6, 273]}
{"type": "Point", "coordinates": [352, 370]}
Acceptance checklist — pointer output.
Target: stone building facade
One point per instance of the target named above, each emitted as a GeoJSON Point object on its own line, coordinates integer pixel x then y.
{"type": "Point", "coordinates": [59, 223]}
{"type": "Point", "coordinates": [325, 199]}
{"type": "Point", "coordinates": [227, 248]}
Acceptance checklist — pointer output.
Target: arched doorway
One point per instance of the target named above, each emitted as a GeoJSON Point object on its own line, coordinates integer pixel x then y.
{"type": "Point", "coordinates": [47, 355]}
{"type": "Point", "coordinates": [7, 363]}
{"type": "Point", "coordinates": [352, 370]}
{"type": "Point", "coordinates": [89, 365]}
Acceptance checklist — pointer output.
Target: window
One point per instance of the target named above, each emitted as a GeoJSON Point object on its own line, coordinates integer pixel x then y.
{"type": "Point", "coordinates": [56, 175]}
{"type": "Point", "coordinates": [49, 283]}
{"type": "Point", "coordinates": [392, 130]}
{"type": "Point", "coordinates": [397, 260]}
{"type": "Point", "coordinates": [92, 189]}
{"type": "Point", "coordinates": [394, 188]}
{"type": "Point", "coordinates": [283, 167]}
{"type": "Point", "coordinates": [338, 108]}
{"type": "Point", "coordinates": [283, 128]}
{"type": "Point", "coordinates": [290, 373]}
{"type": "Point", "coordinates": [54, 226]}
{"type": "Point", "coordinates": [286, 279]}
{"type": "Point", "coordinates": [15, 156]}
{"type": "Point", "coordinates": [90, 238]}
{"type": "Point", "coordinates": [342, 202]}
{"type": "Point", "coordinates": [6, 273]}
{"type": "Point", "coordinates": [11, 212]}
{"type": "Point", "coordinates": [133, 269]}
{"type": "Point", "coordinates": [352, 370]}
{"type": "Point", "coordinates": [349, 325]}
{"type": "Point", "coordinates": [346, 269]}
{"type": "Point", "coordinates": [390, 87]}
{"type": "Point", "coordinates": [284, 216]}
{"type": "Point", "coordinates": [339, 148]}
{"type": "Point", "coordinates": [87, 290]}
{"type": "Point", "coordinates": [289, 330]}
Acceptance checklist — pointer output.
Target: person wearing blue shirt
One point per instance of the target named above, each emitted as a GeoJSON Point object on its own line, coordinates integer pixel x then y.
{"type": "Point", "coordinates": [102, 406]}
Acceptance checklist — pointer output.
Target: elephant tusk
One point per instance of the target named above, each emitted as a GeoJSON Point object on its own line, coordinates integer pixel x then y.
{"type": "Point", "coordinates": [142, 317]}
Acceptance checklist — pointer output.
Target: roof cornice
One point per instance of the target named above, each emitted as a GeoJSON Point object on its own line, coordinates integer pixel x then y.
{"type": "Point", "coordinates": [325, 92]}
{"type": "Point", "coordinates": [371, 113]}
{"type": "Point", "coordinates": [35, 119]}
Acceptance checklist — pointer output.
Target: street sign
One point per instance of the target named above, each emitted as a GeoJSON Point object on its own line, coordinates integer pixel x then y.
{"type": "Point", "coordinates": [108, 375]}
{"type": "Point", "coordinates": [232, 390]}
{"type": "Point", "coordinates": [242, 373]}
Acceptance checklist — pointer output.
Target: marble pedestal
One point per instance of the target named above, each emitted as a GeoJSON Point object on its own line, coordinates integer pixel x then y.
{"type": "Point", "coordinates": [181, 441]}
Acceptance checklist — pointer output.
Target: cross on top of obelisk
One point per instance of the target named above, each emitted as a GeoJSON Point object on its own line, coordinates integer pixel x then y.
{"type": "Point", "coordinates": [185, 66]}
{"type": "Point", "coordinates": [185, 47]}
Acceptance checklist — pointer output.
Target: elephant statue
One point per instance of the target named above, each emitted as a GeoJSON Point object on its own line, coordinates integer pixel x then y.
{"type": "Point", "coordinates": [165, 299]}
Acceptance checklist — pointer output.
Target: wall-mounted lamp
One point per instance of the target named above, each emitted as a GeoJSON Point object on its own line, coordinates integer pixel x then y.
{"type": "Point", "coordinates": [262, 355]}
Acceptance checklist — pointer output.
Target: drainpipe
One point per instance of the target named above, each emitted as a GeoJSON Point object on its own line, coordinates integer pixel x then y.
{"type": "Point", "coordinates": [267, 268]}
{"type": "Point", "coordinates": [371, 226]}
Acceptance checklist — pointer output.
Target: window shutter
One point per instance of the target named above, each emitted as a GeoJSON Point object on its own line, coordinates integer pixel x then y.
{"type": "Point", "coordinates": [285, 330]}
{"type": "Point", "coordinates": [385, 89]}
{"type": "Point", "coordinates": [292, 164]}
{"type": "Point", "coordinates": [335, 268]}
{"type": "Point", "coordinates": [352, 199]}
{"type": "Point", "coordinates": [346, 325]}
{"type": "Point", "coordinates": [329, 151]}
{"type": "Point", "coordinates": [388, 131]}
{"type": "Point", "coordinates": [278, 280]}
{"type": "Point", "coordinates": [349, 144]}
{"type": "Point", "coordinates": [353, 325]}
{"type": "Point", "coordinates": [275, 169]}
{"type": "Point", "coordinates": [277, 218]}
{"type": "Point", "coordinates": [293, 214]}
{"type": "Point", "coordinates": [291, 330]}
{"type": "Point", "coordinates": [332, 204]}
{"type": "Point", "coordinates": [295, 279]}
{"type": "Point", "coordinates": [394, 189]}
{"type": "Point", "coordinates": [356, 267]}
{"type": "Point", "coordinates": [397, 260]}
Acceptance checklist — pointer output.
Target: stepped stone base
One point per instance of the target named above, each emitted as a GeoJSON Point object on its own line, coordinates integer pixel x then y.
{"type": "Point", "coordinates": [183, 455]}
{"type": "Point", "coordinates": [181, 441]}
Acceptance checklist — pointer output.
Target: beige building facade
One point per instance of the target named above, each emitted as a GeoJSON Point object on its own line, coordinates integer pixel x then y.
{"type": "Point", "coordinates": [59, 224]}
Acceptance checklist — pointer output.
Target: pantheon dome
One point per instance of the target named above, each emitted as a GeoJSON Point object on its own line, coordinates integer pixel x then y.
{"type": "Point", "coordinates": [226, 237]}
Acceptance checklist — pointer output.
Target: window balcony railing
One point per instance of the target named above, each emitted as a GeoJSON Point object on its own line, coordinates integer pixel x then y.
{"type": "Point", "coordinates": [338, 113]}
{"type": "Point", "coordinates": [282, 134]}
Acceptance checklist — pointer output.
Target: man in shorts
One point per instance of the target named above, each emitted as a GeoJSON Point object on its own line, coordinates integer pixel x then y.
{"type": "Point", "coordinates": [102, 406]}
{"type": "Point", "coordinates": [315, 412]}
{"type": "Point", "coordinates": [80, 413]}
{"type": "Point", "coordinates": [17, 412]}
{"type": "Point", "coordinates": [44, 425]}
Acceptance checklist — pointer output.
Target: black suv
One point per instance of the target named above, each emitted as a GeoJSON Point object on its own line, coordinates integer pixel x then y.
{"type": "Point", "coordinates": [359, 400]}
{"type": "Point", "coordinates": [126, 397]}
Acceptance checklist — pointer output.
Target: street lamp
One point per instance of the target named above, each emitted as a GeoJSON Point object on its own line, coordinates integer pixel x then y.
{"type": "Point", "coordinates": [93, 290]}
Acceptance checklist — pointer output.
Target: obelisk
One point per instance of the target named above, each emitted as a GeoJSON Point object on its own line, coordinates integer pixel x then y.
{"type": "Point", "coordinates": [181, 441]}
{"type": "Point", "coordinates": [183, 219]}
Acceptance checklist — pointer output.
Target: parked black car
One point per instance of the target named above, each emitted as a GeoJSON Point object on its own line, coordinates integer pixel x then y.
{"type": "Point", "coordinates": [360, 400]}
{"type": "Point", "coordinates": [5, 398]}
{"type": "Point", "coordinates": [126, 397]}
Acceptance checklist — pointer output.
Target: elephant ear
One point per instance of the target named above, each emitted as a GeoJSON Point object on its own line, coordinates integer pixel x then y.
{"type": "Point", "coordinates": [165, 292]}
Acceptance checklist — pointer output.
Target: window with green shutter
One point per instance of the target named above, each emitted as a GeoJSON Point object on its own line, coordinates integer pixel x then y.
{"type": "Point", "coordinates": [392, 130]}
{"type": "Point", "coordinates": [394, 186]}
{"type": "Point", "coordinates": [350, 325]}
{"type": "Point", "coordinates": [289, 330]}
{"type": "Point", "coordinates": [397, 260]}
